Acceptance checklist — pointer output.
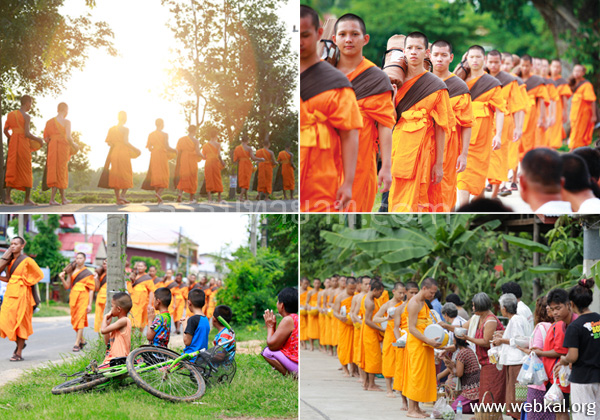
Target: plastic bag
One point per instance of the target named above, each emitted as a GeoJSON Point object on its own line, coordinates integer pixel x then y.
{"type": "Point", "coordinates": [554, 395]}
{"type": "Point", "coordinates": [448, 413]}
{"type": "Point", "coordinates": [494, 356]}
{"type": "Point", "coordinates": [526, 373]}
{"type": "Point", "coordinates": [441, 409]}
{"type": "Point", "coordinates": [563, 375]}
{"type": "Point", "coordinates": [539, 372]}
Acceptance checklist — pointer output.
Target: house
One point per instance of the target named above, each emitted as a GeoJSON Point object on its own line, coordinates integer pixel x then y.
{"type": "Point", "coordinates": [210, 265]}
{"type": "Point", "coordinates": [94, 248]}
{"type": "Point", "coordinates": [167, 258]}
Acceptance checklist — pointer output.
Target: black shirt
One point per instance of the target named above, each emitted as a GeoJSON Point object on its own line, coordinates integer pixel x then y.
{"type": "Point", "coordinates": [584, 334]}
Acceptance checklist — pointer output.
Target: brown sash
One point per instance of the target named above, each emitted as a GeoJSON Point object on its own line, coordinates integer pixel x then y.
{"type": "Point", "coordinates": [103, 181]}
{"type": "Point", "coordinates": [172, 285]}
{"type": "Point", "coordinates": [560, 81]}
{"type": "Point", "coordinates": [456, 86]}
{"type": "Point", "coordinates": [83, 274]}
{"type": "Point", "coordinates": [158, 280]}
{"type": "Point", "coordinates": [578, 85]}
{"type": "Point", "coordinates": [425, 86]}
{"type": "Point", "coordinates": [142, 279]}
{"type": "Point", "coordinates": [533, 82]}
{"type": "Point", "coordinates": [505, 78]}
{"type": "Point", "coordinates": [320, 78]}
{"type": "Point", "coordinates": [102, 280]}
{"type": "Point", "coordinates": [549, 81]}
{"type": "Point", "coordinates": [370, 82]}
{"type": "Point", "coordinates": [483, 85]}
{"type": "Point", "coordinates": [34, 292]}
{"type": "Point", "coordinates": [519, 80]}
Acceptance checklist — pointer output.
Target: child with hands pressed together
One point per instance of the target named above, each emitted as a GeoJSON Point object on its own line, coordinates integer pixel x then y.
{"type": "Point", "coordinates": [117, 335]}
{"type": "Point", "coordinates": [282, 342]}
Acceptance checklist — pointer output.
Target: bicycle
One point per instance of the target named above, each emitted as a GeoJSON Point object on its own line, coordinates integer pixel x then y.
{"type": "Point", "coordinates": [93, 376]}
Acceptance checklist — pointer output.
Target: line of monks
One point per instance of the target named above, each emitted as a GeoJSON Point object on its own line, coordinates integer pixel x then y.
{"type": "Point", "coordinates": [20, 297]}
{"type": "Point", "coordinates": [439, 135]}
{"type": "Point", "coordinates": [118, 175]}
{"type": "Point", "coordinates": [356, 321]}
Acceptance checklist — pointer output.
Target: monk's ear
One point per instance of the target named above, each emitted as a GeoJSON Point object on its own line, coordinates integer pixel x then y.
{"type": "Point", "coordinates": [334, 39]}
{"type": "Point", "coordinates": [320, 32]}
{"type": "Point", "coordinates": [367, 38]}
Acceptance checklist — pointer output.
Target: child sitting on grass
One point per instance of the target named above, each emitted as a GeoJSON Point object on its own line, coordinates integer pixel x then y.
{"type": "Point", "coordinates": [159, 328]}
{"type": "Point", "coordinates": [117, 335]}
{"type": "Point", "coordinates": [224, 334]}
{"type": "Point", "coordinates": [195, 336]}
{"type": "Point", "coordinates": [282, 342]}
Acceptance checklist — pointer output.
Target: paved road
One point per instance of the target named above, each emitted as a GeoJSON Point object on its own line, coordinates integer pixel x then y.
{"type": "Point", "coordinates": [514, 201]}
{"type": "Point", "coordinates": [52, 339]}
{"type": "Point", "coordinates": [273, 206]}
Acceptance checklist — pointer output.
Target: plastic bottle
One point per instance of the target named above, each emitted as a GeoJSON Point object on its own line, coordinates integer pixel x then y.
{"type": "Point", "coordinates": [458, 411]}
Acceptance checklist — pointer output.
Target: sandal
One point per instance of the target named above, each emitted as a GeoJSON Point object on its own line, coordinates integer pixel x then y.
{"type": "Point", "coordinates": [82, 345]}
{"type": "Point", "coordinates": [76, 348]}
{"type": "Point", "coordinates": [16, 358]}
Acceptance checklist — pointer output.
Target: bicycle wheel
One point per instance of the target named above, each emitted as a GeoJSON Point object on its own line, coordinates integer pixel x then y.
{"type": "Point", "coordinates": [82, 383]}
{"type": "Point", "coordinates": [150, 368]}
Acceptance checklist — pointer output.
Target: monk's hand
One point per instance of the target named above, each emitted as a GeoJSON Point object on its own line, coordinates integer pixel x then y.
{"type": "Point", "coordinates": [496, 141]}
{"type": "Point", "coordinates": [437, 173]}
{"type": "Point", "coordinates": [89, 309]}
{"type": "Point", "coordinates": [385, 178]}
{"type": "Point", "coordinates": [461, 163]}
{"type": "Point", "coordinates": [61, 275]}
{"type": "Point", "coordinates": [517, 134]}
{"type": "Point", "coordinates": [343, 196]}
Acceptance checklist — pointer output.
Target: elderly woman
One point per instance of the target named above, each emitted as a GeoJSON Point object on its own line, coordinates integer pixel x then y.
{"type": "Point", "coordinates": [463, 366]}
{"type": "Point", "coordinates": [450, 314]}
{"type": "Point", "coordinates": [481, 328]}
{"type": "Point", "coordinates": [510, 356]}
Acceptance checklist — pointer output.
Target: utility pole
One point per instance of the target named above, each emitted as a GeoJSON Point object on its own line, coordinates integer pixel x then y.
{"type": "Point", "coordinates": [116, 256]}
{"type": "Point", "coordinates": [178, 251]}
{"type": "Point", "coordinates": [85, 221]}
{"type": "Point", "coordinates": [253, 223]}
{"type": "Point", "coordinates": [21, 228]}
{"type": "Point", "coordinates": [265, 232]}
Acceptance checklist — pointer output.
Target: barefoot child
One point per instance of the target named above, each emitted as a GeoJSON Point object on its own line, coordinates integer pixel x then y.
{"type": "Point", "coordinates": [117, 335]}
{"type": "Point", "coordinates": [159, 330]}
{"type": "Point", "coordinates": [282, 342]}
{"type": "Point", "coordinates": [195, 336]}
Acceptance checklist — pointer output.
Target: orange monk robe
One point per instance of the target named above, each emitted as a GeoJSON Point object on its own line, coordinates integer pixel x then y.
{"type": "Point", "coordinates": [473, 178]}
{"type": "Point", "coordinates": [79, 299]}
{"type": "Point", "coordinates": [245, 167]}
{"type": "Point", "coordinates": [420, 383]}
{"type": "Point", "coordinates": [581, 113]}
{"type": "Point", "coordinates": [346, 337]}
{"type": "Point", "coordinates": [304, 316]}
{"type": "Point", "coordinates": [321, 115]}
{"type": "Point", "coordinates": [59, 153]}
{"type": "Point", "coordinates": [375, 110]}
{"type": "Point", "coordinates": [181, 293]}
{"type": "Point", "coordinates": [513, 148]}
{"type": "Point", "coordinates": [159, 160]}
{"type": "Point", "coordinates": [212, 304]}
{"type": "Point", "coordinates": [531, 131]}
{"type": "Point", "coordinates": [18, 303]}
{"type": "Point", "coordinates": [100, 303]}
{"type": "Point", "coordinates": [463, 115]}
{"type": "Point", "coordinates": [359, 347]}
{"type": "Point", "coordinates": [328, 323]}
{"type": "Point", "coordinates": [540, 133]}
{"type": "Point", "coordinates": [212, 168]}
{"type": "Point", "coordinates": [401, 355]}
{"type": "Point", "coordinates": [334, 325]}
{"type": "Point", "coordinates": [188, 165]}
{"type": "Point", "coordinates": [323, 339]}
{"type": "Point", "coordinates": [388, 352]}
{"type": "Point", "coordinates": [553, 96]}
{"type": "Point", "coordinates": [313, 320]}
{"type": "Point", "coordinates": [18, 173]}
{"type": "Point", "coordinates": [557, 130]}
{"type": "Point", "coordinates": [140, 297]}
{"type": "Point", "coordinates": [498, 171]}
{"type": "Point", "coordinates": [265, 171]}
{"type": "Point", "coordinates": [371, 349]}
{"type": "Point", "coordinates": [287, 170]}
{"type": "Point", "coordinates": [414, 150]}
{"type": "Point", "coordinates": [171, 307]}
{"type": "Point", "coordinates": [207, 296]}
{"type": "Point", "coordinates": [120, 175]}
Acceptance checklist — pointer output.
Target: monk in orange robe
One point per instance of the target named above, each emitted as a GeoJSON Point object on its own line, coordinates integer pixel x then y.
{"type": "Point", "coordinates": [513, 121]}
{"type": "Point", "coordinates": [456, 147]}
{"type": "Point", "coordinates": [166, 281]}
{"type": "Point", "coordinates": [141, 289]}
{"type": "Point", "coordinates": [583, 110]}
{"type": "Point", "coordinates": [186, 168]}
{"type": "Point", "coordinates": [118, 162]}
{"type": "Point", "coordinates": [535, 123]}
{"type": "Point", "coordinates": [420, 384]}
{"type": "Point", "coordinates": [556, 130]}
{"type": "Point", "coordinates": [21, 143]}
{"type": "Point", "coordinates": [81, 282]}
{"type": "Point", "coordinates": [60, 147]}
{"type": "Point", "coordinates": [341, 311]}
{"type": "Point", "coordinates": [329, 123]}
{"type": "Point", "coordinates": [313, 313]}
{"type": "Point", "coordinates": [265, 171]}
{"type": "Point", "coordinates": [212, 303]}
{"type": "Point", "coordinates": [321, 300]}
{"type": "Point", "coordinates": [357, 315]}
{"type": "Point", "coordinates": [370, 337]}
{"type": "Point", "coordinates": [425, 118]}
{"type": "Point", "coordinates": [100, 283]}
{"type": "Point", "coordinates": [285, 159]}
{"type": "Point", "coordinates": [374, 95]}
{"type": "Point", "coordinates": [214, 165]}
{"type": "Point", "coordinates": [401, 328]}
{"type": "Point", "coordinates": [157, 177]}
{"type": "Point", "coordinates": [304, 289]}
{"type": "Point", "coordinates": [17, 307]}
{"type": "Point", "coordinates": [243, 155]}
{"type": "Point", "coordinates": [551, 111]}
{"type": "Point", "coordinates": [486, 97]}
{"type": "Point", "coordinates": [385, 315]}
{"type": "Point", "coordinates": [177, 289]}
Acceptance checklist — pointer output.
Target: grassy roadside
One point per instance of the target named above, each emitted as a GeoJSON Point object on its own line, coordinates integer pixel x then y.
{"type": "Point", "coordinates": [256, 391]}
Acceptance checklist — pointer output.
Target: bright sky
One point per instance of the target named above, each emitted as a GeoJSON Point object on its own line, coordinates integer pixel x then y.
{"type": "Point", "coordinates": [211, 231]}
{"type": "Point", "coordinates": [133, 81]}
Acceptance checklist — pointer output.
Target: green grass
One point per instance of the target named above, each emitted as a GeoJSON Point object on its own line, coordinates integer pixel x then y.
{"type": "Point", "coordinates": [56, 309]}
{"type": "Point", "coordinates": [256, 391]}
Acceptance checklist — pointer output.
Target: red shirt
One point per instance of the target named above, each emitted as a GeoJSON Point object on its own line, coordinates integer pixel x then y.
{"type": "Point", "coordinates": [290, 348]}
{"type": "Point", "coordinates": [554, 341]}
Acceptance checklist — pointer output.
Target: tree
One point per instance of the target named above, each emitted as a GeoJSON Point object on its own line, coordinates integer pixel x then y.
{"type": "Point", "coordinates": [282, 233]}
{"type": "Point", "coordinates": [149, 263]}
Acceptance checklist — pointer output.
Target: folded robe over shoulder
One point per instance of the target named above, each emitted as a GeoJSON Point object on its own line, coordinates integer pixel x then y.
{"type": "Point", "coordinates": [327, 104]}
{"type": "Point", "coordinates": [581, 114]}
{"type": "Point", "coordinates": [18, 301]}
{"type": "Point", "coordinates": [18, 173]}
{"type": "Point", "coordinates": [420, 383]}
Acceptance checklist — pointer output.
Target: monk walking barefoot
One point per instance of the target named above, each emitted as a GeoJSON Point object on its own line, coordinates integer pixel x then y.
{"type": "Point", "coordinates": [157, 177]}
{"type": "Point", "coordinates": [214, 165]}
{"type": "Point", "coordinates": [244, 155]}
{"type": "Point", "coordinates": [18, 174]}
{"type": "Point", "coordinates": [370, 337]}
{"type": "Point", "coordinates": [265, 170]}
{"type": "Point", "coordinates": [186, 169]}
{"type": "Point", "coordinates": [286, 160]}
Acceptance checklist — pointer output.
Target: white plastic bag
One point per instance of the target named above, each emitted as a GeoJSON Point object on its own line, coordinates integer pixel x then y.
{"type": "Point", "coordinates": [554, 395]}
{"type": "Point", "coordinates": [438, 408]}
{"type": "Point", "coordinates": [525, 376]}
{"type": "Point", "coordinates": [539, 372]}
{"type": "Point", "coordinates": [563, 375]}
